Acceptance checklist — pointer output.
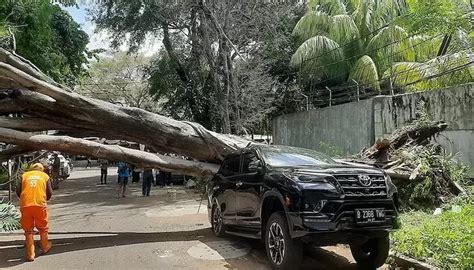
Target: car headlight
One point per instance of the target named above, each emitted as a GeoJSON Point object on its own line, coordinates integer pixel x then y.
{"type": "Point", "coordinates": [391, 188]}
{"type": "Point", "coordinates": [308, 178]}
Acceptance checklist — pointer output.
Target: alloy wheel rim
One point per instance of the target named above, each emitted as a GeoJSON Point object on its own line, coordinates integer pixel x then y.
{"type": "Point", "coordinates": [217, 220]}
{"type": "Point", "coordinates": [276, 243]}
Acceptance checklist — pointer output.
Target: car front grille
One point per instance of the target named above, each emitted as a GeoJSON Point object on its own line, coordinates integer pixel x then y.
{"type": "Point", "coordinates": [353, 188]}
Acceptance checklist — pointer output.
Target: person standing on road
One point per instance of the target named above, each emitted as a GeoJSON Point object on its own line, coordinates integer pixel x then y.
{"type": "Point", "coordinates": [56, 171]}
{"type": "Point", "coordinates": [147, 180]}
{"type": "Point", "coordinates": [34, 190]}
{"type": "Point", "coordinates": [123, 174]}
{"type": "Point", "coordinates": [89, 163]}
{"type": "Point", "coordinates": [104, 166]}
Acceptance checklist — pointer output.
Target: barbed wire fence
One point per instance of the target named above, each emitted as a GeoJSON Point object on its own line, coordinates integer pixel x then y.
{"type": "Point", "coordinates": [324, 93]}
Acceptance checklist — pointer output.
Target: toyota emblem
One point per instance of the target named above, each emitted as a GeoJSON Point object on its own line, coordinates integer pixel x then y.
{"type": "Point", "coordinates": [364, 180]}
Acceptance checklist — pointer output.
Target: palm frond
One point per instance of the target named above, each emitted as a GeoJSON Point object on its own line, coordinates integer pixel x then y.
{"type": "Point", "coordinates": [320, 55]}
{"type": "Point", "coordinates": [343, 29]}
{"type": "Point", "coordinates": [410, 75]}
{"type": "Point", "coordinates": [331, 7]}
{"type": "Point", "coordinates": [311, 24]}
{"type": "Point", "coordinates": [365, 72]}
{"type": "Point", "coordinates": [386, 10]}
{"type": "Point", "coordinates": [460, 41]}
{"type": "Point", "coordinates": [9, 217]}
{"type": "Point", "coordinates": [363, 17]}
{"type": "Point", "coordinates": [426, 46]}
{"type": "Point", "coordinates": [389, 45]}
{"type": "Point", "coordinates": [449, 65]}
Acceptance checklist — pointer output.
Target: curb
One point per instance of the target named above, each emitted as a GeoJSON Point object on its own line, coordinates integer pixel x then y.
{"type": "Point", "coordinates": [405, 262]}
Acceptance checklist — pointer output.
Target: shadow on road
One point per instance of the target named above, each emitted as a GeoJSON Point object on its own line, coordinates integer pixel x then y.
{"type": "Point", "coordinates": [12, 251]}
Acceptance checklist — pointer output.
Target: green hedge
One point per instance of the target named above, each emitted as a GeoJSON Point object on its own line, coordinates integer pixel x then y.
{"type": "Point", "coordinates": [445, 240]}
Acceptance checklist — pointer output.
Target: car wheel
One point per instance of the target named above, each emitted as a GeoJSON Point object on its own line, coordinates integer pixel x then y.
{"type": "Point", "coordinates": [373, 253]}
{"type": "Point", "coordinates": [283, 251]}
{"type": "Point", "coordinates": [217, 222]}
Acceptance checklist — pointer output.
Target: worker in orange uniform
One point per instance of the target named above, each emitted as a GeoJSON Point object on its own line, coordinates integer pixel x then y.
{"type": "Point", "coordinates": [34, 190]}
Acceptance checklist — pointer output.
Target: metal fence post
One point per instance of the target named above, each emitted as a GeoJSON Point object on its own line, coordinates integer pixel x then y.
{"type": "Point", "coordinates": [330, 96]}
{"type": "Point", "coordinates": [358, 91]}
{"type": "Point", "coordinates": [307, 101]}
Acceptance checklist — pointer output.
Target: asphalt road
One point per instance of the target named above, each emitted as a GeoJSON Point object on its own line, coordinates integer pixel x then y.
{"type": "Point", "coordinates": [92, 229]}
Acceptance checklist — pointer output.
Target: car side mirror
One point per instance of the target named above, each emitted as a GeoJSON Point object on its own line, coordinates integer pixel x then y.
{"type": "Point", "coordinates": [255, 166]}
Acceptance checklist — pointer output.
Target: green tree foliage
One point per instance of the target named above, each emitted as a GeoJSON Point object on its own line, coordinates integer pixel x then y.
{"type": "Point", "coordinates": [437, 16]}
{"type": "Point", "coordinates": [372, 41]}
{"type": "Point", "coordinates": [47, 36]}
{"type": "Point", "coordinates": [344, 40]}
{"type": "Point", "coordinates": [119, 78]}
{"type": "Point", "coordinates": [216, 55]}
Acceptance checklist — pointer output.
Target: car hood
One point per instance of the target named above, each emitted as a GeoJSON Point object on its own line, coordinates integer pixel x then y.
{"type": "Point", "coordinates": [332, 169]}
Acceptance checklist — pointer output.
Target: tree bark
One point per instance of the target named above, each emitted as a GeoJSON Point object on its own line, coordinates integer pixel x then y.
{"type": "Point", "coordinates": [167, 135]}
{"type": "Point", "coordinates": [111, 152]}
{"type": "Point", "coordinates": [13, 152]}
{"type": "Point", "coordinates": [45, 105]}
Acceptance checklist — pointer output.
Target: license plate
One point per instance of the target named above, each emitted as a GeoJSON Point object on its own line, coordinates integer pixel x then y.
{"type": "Point", "coordinates": [364, 216]}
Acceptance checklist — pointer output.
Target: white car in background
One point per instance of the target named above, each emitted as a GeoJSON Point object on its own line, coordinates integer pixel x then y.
{"type": "Point", "coordinates": [65, 166]}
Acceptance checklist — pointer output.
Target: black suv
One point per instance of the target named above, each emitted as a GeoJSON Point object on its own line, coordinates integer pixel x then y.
{"type": "Point", "coordinates": [288, 196]}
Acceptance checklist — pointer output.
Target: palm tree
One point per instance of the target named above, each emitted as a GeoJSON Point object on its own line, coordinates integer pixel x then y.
{"type": "Point", "coordinates": [365, 41]}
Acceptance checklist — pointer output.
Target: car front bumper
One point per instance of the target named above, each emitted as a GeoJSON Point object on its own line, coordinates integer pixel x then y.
{"type": "Point", "coordinates": [339, 216]}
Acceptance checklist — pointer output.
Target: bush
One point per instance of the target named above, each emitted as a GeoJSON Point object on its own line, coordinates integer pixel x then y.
{"type": "Point", "coordinates": [445, 240]}
{"type": "Point", "coordinates": [9, 217]}
{"type": "Point", "coordinates": [3, 179]}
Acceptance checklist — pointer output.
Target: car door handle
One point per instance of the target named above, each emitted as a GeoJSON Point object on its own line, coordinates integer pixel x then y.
{"type": "Point", "coordinates": [239, 184]}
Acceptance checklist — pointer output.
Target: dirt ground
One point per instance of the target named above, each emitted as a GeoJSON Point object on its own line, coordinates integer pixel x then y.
{"type": "Point", "coordinates": [92, 229]}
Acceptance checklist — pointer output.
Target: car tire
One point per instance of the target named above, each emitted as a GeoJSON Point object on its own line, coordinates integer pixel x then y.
{"type": "Point", "coordinates": [373, 253]}
{"type": "Point", "coordinates": [283, 251]}
{"type": "Point", "coordinates": [217, 222]}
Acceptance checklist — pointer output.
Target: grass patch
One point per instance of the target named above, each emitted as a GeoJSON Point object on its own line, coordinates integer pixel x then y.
{"type": "Point", "coordinates": [445, 240]}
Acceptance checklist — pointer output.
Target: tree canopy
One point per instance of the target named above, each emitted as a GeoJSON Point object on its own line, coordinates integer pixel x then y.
{"type": "Point", "coordinates": [47, 36]}
{"type": "Point", "coordinates": [216, 55]}
{"type": "Point", "coordinates": [372, 43]}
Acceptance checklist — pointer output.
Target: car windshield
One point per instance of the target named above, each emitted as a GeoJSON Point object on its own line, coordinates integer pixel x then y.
{"type": "Point", "coordinates": [293, 156]}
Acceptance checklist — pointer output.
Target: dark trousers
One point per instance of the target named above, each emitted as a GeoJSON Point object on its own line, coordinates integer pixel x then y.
{"type": "Point", "coordinates": [161, 179]}
{"type": "Point", "coordinates": [146, 185]}
{"type": "Point", "coordinates": [135, 177]}
{"type": "Point", "coordinates": [103, 176]}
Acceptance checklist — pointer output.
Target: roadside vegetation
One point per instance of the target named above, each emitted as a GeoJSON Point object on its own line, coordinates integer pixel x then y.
{"type": "Point", "coordinates": [9, 217]}
{"type": "Point", "coordinates": [445, 240]}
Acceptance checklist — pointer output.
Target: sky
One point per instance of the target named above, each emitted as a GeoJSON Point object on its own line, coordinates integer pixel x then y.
{"type": "Point", "coordinates": [101, 40]}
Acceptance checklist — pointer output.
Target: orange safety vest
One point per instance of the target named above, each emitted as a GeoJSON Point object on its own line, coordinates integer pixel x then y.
{"type": "Point", "coordinates": [33, 189]}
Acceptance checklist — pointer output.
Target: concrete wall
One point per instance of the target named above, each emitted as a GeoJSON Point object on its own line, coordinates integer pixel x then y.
{"type": "Point", "coordinates": [454, 105]}
{"type": "Point", "coordinates": [353, 126]}
{"type": "Point", "coordinates": [348, 127]}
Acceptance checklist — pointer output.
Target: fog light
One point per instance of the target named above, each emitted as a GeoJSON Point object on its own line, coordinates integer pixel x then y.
{"type": "Point", "coordinates": [319, 206]}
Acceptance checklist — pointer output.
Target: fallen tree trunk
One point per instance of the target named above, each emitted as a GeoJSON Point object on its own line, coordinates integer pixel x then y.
{"type": "Point", "coordinates": [14, 151]}
{"type": "Point", "coordinates": [111, 152]}
{"type": "Point", "coordinates": [64, 110]}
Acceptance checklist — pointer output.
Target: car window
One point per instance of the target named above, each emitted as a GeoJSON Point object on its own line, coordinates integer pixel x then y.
{"type": "Point", "coordinates": [231, 166]}
{"type": "Point", "coordinates": [293, 156]}
{"type": "Point", "coordinates": [247, 159]}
